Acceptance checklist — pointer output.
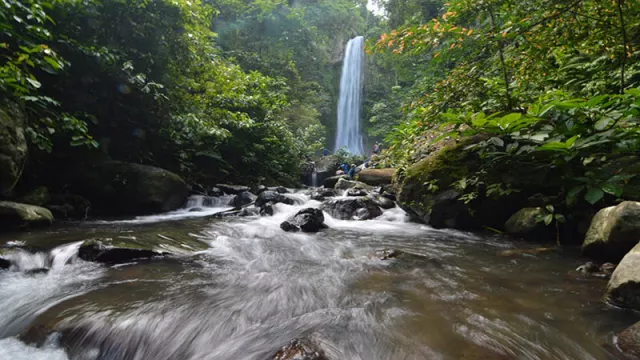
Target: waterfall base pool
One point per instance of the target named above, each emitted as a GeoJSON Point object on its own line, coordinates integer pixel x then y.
{"type": "Point", "coordinates": [257, 287]}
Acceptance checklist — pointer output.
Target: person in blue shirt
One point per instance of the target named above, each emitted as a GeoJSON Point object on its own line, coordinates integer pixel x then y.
{"type": "Point", "coordinates": [326, 152]}
{"type": "Point", "coordinates": [345, 168]}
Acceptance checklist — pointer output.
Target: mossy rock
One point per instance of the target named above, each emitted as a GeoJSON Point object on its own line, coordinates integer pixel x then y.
{"type": "Point", "coordinates": [121, 250]}
{"type": "Point", "coordinates": [614, 231]}
{"type": "Point", "coordinates": [15, 215]}
{"type": "Point", "coordinates": [623, 288]}
{"type": "Point", "coordinates": [525, 224]}
{"type": "Point", "coordinates": [13, 146]}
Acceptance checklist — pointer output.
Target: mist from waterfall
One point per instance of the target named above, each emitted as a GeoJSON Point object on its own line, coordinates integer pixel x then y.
{"type": "Point", "coordinates": [348, 133]}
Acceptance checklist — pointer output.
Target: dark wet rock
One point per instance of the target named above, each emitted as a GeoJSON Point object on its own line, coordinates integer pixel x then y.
{"type": "Point", "coordinates": [299, 349]}
{"type": "Point", "coordinates": [322, 194]}
{"type": "Point", "coordinates": [353, 208]}
{"type": "Point", "coordinates": [4, 263]}
{"type": "Point", "coordinates": [623, 288]}
{"type": "Point", "coordinates": [232, 189]}
{"type": "Point", "coordinates": [608, 268]}
{"type": "Point", "coordinates": [242, 199]}
{"type": "Point", "coordinates": [344, 184]}
{"type": "Point", "coordinates": [258, 189]}
{"type": "Point", "coordinates": [331, 182]}
{"type": "Point", "coordinates": [307, 220]}
{"type": "Point", "coordinates": [273, 197]}
{"type": "Point", "coordinates": [15, 216]}
{"type": "Point", "coordinates": [122, 250]}
{"type": "Point", "coordinates": [281, 190]}
{"type": "Point", "coordinates": [525, 223]}
{"type": "Point", "coordinates": [267, 209]}
{"type": "Point", "coordinates": [628, 341]}
{"type": "Point", "coordinates": [252, 211]}
{"type": "Point", "coordinates": [39, 196]}
{"type": "Point", "coordinates": [386, 254]}
{"type": "Point", "coordinates": [37, 271]}
{"type": "Point", "coordinates": [404, 259]}
{"type": "Point", "coordinates": [215, 192]}
{"type": "Point", "coordinates": [388, 195]}
{"type": "Point", "coordinates": [588, 268]}
{"type": "Point", "coordinates": [529, 252]}
{"type": "Point", "coordinates": [384, 202]}
{"type": "Point", "coordinates": [376, 177]}
{"type": "Point", "coordinates": [69, 206]}
{"type": "Point", "coordinates": [121, 188]}
{"type": "Point", "coordinates": [356, 192]}
{"type": "Point", "coordinates": [196, 209]}
{"type": "Point", "coordinates": [613, 232]}
{"type": "Point", "coordinates": [13, 146]}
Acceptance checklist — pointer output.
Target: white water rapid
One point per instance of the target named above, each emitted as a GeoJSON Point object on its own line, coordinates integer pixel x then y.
{"type": "Point", "coordinates": [348, 134]}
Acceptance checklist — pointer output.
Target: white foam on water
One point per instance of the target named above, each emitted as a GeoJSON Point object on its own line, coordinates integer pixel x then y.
{"type": "Point", "coordinates": [13, 349]}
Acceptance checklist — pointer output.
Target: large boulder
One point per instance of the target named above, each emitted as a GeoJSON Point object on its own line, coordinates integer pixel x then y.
{"type": "Point", "coordinates": [344, 184]}
{"type": "Point", "coordinates": [122, 250]}
{"type": "Point", "coordinates": [322, 194]}
{"type": "Point", "coordinates": [331, 182]}
{"type": "Point", "coordinates": [427, 192]}
{"type": "Point", "coordinates": [624, 286]}
{"type": "Point", "coordinates": [525, 223]}
{"type": "Point", "coordinates": [242, 199]}
{"type": "Point", "coordinates": [13, 147]}
{"type": "Point", "coordinates": [352, 208]}
{"type": "Point", "coordinates": [307, 220]}
{"type": "Point", "coordinates": [273, 197]}
{"type": "Point", "coordinates": [628, 341]}
{"type": "Point", "coordinates": [613, 232]}
{"type": "Point", "coordinates": [120, 188]}
{"type": "Point", "coordinates": [15, 215]}
{"type": "Point", "coordinates": [376, 177]}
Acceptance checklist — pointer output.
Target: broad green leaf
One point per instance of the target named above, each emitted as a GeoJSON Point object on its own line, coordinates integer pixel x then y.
{"type": "Point", "coordinates": [602, 123]}
{"type": "Point", "coordinates": [593, 195]}
{"type": "Point", "coordinates": [612, 189]}
{"type": "Point", "coordinates": [548, 219]}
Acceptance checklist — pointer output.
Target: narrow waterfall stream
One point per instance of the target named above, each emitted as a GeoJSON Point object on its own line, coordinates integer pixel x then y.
{"type": "Point", "coordinates": [348, 133]}
{"type": "Point", "coordinates": [256, 287]}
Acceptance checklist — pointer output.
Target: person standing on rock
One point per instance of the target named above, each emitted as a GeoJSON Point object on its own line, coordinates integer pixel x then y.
{"type": "Point", "coordinates": [376, 148]}
{"type": "Point", "coordinates": [352, 171]}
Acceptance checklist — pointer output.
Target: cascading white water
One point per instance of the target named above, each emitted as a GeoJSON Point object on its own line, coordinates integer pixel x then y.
{"type": "Point", "coordinates": [348, 133]}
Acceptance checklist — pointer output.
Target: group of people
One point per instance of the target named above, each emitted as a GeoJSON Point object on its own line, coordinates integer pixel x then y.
{"type": "Point", "coordinates": [352, 170]}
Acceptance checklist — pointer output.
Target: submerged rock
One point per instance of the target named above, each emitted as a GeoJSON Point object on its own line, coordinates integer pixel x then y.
{"type": "Point", "coordinates": [613, 232]}
{"type": "Point", "coordinates": [344, 184]}
{"type": "Point", "coordinates": [274, 198]}
{"type": "Point", "coordinates": [376, 177]}
{"type": "Point", "coordinates": [299, 349]}
{"type": "Point", "coordinates": [37, 271]}
{"type": "Point", "coordinates": [353, 208]}
{"type": "Point", "coordinates": [307, 220]}
{"type": "Point", "coordinates": [232, 189]}
{"type": "Point", "coordinates": [624, 287]}
{"type": "Point", "coordinates": [242, 199]}
{"type": "Point", "coordinates": [15, 215]}
{"type": "Point", "coordinates": [322, 194]}
{"type": "Point", "coordinates": [267, 209]}
{"type": "Point", "coordinates": [628, 341]}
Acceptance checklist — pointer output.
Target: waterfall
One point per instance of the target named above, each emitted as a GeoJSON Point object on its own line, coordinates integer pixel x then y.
{"type": "Point", "coordinates": [348, 131]}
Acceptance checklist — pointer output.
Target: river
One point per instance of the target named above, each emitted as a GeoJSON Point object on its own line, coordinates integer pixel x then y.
{"type": "Point", "coordinates": [256, 287]}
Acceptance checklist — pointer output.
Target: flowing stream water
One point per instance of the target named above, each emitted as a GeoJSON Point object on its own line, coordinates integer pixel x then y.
{"type": "Point", "coordinates": [257, 287]}
{"type": "Point", "coordinates": [348, 134]}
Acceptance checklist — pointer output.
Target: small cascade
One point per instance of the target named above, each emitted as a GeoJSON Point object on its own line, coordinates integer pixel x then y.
{"type": "Point", "coordinates": [202, 201]}
{"type": "Point", "coordinates": [348, 132]}
{"type": "Point", "coordinates": [22, 260]}
{"type": "Point", "coordinates": [314, 178]}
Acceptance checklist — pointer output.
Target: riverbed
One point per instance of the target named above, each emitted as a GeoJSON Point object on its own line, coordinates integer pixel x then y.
{"type": "Point", "coordinates": [256, 288]}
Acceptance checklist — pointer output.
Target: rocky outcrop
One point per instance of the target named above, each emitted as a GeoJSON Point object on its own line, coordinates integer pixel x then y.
{"type": "Point", "coordinates": [352, 208]}
{"type": "Point", "coordinates": [356, 192]}
{"type": "Point", "coordinates": [242, 199]}
{"type": "Point", "coordinates": [628, 341]}
{"type": "Point", "coordinates": [299, 349]}
{"type": "Point", "coordinates": [13, 147]}
{"type": "Point", "coordinates": [376, 177]}
{"type": "Point", "coordinates": [273, 197]}
{"type": "Point", "coordinates": [15, 216]}
{"type": "Point", "coordinates": [384, 202]}
{"type": "Point", "coordinates": [120, 250]}
{"type": "Point", "coordinates": [613, 232]}
{"type": "Point", "coordinates": [526, 223]}
{"type": "Point", "coordinates": [624, 287]}
{"type": "Point", "coordinates": [344, 184]}
{"type": "Point", "coordinates": [331, 182]}
{"type": "Point", "coordinates": [266, 209]}
{"type": "Point", "coordinates": [120, 188]}
{"type": "Point", "coordinates": [427, 191]}
{"type": "Point", "coordinates": [309, 220]}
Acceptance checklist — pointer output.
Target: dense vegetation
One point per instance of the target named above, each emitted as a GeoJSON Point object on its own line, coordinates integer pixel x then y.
{"type": "Point", "coordinates": [219, 91]}
{"type": "Point", "coordinates": [546, 84]}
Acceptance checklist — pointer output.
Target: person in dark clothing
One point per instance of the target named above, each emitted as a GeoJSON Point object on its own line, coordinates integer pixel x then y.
{"type": "Point", "coordinates": [376, 148]}
{"type": "Point", "coordinates": [352, 171]}
{"type": "Point", "coordinates": [326, 152]}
